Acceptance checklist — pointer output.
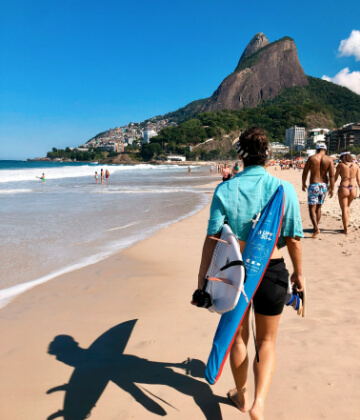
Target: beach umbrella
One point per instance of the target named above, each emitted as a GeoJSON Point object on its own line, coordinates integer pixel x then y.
{"type": "Point", "coordinates": [299, 158]}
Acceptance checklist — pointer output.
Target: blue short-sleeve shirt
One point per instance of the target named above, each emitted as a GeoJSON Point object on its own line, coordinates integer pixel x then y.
{"type": "Point", "coordinates": [240, 199]}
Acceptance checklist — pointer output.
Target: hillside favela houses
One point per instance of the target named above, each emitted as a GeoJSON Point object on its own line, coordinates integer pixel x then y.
{"type": "Point", "coordinates": [118, 138]}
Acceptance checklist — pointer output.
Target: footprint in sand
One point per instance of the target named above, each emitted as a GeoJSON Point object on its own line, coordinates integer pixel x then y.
{"type": "Point", "coordinates": [340, 244]}
{"type": "Point", "coordinates": [346, 253]}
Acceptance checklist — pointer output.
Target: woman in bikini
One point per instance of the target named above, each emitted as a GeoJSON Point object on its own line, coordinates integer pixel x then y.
{"type": "Point", "coordinates": [349, 173]}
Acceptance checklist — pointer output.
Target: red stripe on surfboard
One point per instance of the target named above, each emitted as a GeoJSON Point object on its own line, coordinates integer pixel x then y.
{"type": "Point", "coordinates": [247, 308]}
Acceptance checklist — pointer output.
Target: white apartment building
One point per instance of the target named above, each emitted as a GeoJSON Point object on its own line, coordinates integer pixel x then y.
{"type": "Point", "coordinates": [295, 137]}
{"type": "Point", "coordinates": [148, 133]}
{"type": "Point", "coordinates": [315, 135]}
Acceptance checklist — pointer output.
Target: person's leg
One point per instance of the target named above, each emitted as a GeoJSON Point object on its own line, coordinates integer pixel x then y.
{"type": "Point", "coordinates": [318, 213]}
{"type": "Point", "coordinates": [313, 218]}
{"type": "Point", "coordinates": [266, 330]}
{"type": "Point", "coordinates": [343, 201]}
{"type": "Point", "coordinates": [239, 363]}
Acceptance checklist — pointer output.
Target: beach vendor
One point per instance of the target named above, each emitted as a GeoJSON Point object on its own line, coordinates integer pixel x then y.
{"type": "Point", "coordinates": [237, 202]}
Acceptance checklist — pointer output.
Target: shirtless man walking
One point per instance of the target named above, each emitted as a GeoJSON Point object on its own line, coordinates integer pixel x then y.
{"type": "Point", "coordinates": [321, 168]}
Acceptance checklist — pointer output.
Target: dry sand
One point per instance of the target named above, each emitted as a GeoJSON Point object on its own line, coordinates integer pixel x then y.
{"type": "Point", "coordinates": [318, 369]}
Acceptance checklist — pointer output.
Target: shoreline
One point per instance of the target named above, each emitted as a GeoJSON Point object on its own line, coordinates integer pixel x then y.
{"type": "Point", "coordinates": [152, 282]}
{"type": "Point", "coordinates": [10, 293]}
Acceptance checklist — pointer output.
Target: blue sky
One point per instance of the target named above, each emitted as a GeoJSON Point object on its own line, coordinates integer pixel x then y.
{"type": "Point", "coordinates": [70, 69]}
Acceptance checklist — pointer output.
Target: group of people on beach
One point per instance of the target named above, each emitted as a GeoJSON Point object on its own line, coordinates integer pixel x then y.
{"type": "Point", "coordinates": [236, 201]}
{"type": "Point", "coordinates": [322, 181]}
{"type": "Point", "coordinates": [227, 171]}
{"type": "Point", "coordinates": [107, 175]}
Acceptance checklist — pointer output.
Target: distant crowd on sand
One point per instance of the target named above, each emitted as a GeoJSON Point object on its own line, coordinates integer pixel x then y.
{"type": "Point", "coordinates": [238, 198]}
{"type": "Point", "coordinates": [323, 172]}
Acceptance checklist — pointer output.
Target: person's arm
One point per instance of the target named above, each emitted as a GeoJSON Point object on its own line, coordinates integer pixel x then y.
{"type": "Point", "coordinates": [295, 252]}
{"type": "Point", "coordinates": [331, 175]}
{"type": "Point", "coordinates": [358, 177]}
{"type": "Point", "coordinates": [305, 175]}
{"type": "Point", "coordinates": [337, 173]}
{"type": "Point", "coordinates": [208, 249]}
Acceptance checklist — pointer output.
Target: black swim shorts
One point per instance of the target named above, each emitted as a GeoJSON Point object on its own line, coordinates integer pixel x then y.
{"type": "Point", "coordinates": [270, 297]}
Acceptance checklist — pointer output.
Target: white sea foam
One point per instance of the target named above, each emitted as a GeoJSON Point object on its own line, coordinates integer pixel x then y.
{"type": "Point", "coordinates": [68, 171]}
{"type": "Point", "coordinates": [7, 295]}
{"type": "Point", "coordinates": [145, 191]}
{"type": "Point", "coordinates": [123, 227]}
{"type": "Point", "coordinates": [19, 191]}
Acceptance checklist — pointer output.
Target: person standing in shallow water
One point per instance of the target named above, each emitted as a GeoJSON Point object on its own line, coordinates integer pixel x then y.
{"type": "Point", "coordinates": [248, 192]}
{"type": "Point", "coordinates": [321, 168]}
{"type": "Point", "coordinates": [349, 173]}
{"type": "Point", "coordinates": [102, 176]}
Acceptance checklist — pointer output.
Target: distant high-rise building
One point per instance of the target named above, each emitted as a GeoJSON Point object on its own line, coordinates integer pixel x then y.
{"type": "Point", "coordinates": [295, 137]}
{"type": "Point", "coordinates": [148, 133]}
{"type": "Point", "coordinates": [316, 135]}
{"type": "Point", "coordinates": [343, 138]}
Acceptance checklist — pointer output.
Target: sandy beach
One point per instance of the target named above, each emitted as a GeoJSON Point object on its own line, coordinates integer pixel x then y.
{"type": "Point", "coordinates": [125, 340]}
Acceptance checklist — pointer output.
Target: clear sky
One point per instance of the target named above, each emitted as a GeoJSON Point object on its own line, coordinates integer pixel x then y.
{"type": "Point", "coordinates": [70, 69]}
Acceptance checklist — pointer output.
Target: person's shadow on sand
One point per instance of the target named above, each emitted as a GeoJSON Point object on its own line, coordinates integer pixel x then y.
{"type": "Point", "coordinates": [105, 361]}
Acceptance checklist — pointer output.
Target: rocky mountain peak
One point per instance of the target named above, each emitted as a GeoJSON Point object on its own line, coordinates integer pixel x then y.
{"type": "Point", "coordinates": [263, 72]}
{"type": "Point", "coordinates": [259, 41]}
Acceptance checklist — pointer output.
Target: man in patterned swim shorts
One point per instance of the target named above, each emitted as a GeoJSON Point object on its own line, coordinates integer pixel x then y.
{"type": "Point", "coordinates": [317, 193]}
{"type": "Point", "coordinates": [321, 168]}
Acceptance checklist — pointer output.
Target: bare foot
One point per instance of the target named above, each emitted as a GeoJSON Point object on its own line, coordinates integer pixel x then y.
{"type": "Point", "coordinates": [239, 400]}
{"type": "Point", "coordinates": [315, 233]}
{"type": "Point", "coordinates": [256, 412]}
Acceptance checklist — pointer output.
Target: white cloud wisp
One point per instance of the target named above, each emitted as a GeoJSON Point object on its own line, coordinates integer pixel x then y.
{"type": "Point", "coordinates": [351, 80]}
{"type": "Point", "coordinates": [351, 45]}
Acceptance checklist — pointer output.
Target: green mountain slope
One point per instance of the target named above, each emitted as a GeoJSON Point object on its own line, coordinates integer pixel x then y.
{"type": "Point", "coordinates": [337, 105]}
{"type": "Point", "coordinates": [320, 103]}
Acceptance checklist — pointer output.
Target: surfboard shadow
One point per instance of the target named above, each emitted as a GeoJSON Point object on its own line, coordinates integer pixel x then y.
{"type": "Point", "coordinates": [105, 361]}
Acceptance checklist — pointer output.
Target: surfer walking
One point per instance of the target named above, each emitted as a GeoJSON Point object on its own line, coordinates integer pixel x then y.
{"type": "Point", "coordinates": [321, 168]}
{"type": "Point", "coordinates": [238, 202]}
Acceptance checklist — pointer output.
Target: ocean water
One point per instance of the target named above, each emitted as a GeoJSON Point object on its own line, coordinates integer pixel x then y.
{"type": "Point", "coordinates": [68, 221]}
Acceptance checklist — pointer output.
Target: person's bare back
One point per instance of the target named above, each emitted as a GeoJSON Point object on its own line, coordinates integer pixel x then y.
{"type": "Point", "coordinates": [320, 167]}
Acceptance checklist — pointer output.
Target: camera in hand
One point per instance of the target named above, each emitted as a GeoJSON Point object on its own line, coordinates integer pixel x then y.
{"type": "Point", "coordinates": [201, 299]}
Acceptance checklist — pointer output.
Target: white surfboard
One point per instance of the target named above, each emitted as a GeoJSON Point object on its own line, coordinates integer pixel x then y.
{"type": "Point", "coordinates": [226, 273]}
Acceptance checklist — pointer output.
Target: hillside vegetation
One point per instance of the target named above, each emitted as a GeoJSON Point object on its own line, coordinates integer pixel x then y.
{"type": "Point", "coordinates": [319, 101]}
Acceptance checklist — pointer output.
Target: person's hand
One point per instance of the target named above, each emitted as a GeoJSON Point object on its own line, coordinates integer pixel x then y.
{"type": "Point", "coordinates": [331, 192]}
{"type": "Point", "coordinates": [304, 187]}
{"type": "Point", "coordinates": [297, 281]}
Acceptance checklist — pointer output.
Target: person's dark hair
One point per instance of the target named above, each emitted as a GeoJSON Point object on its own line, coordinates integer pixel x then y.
{"type": "Point", "coordinates": [253, 146]}
{"type": "Point", "coordinates": [346, 158]}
